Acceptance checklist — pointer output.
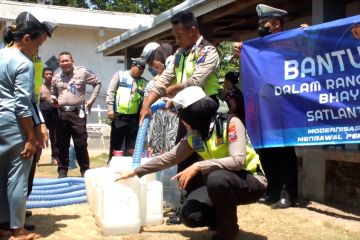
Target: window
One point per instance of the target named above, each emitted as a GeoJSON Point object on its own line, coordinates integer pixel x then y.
{"type": "Point", "coordinates": [52, 63]}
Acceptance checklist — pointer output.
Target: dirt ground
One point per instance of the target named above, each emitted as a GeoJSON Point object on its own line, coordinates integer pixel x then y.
{"type": "Point", "coordinates": [257, 221]}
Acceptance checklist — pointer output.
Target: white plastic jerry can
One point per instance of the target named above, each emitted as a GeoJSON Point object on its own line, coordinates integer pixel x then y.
{"type": "Point", "coordinates": [151, 202]}
{"type": "Point", "coordinates": [103, 177]}
{"type": "Point", "coordinates": [90, 185]}
{"type": "Point", "coordinates": [121, 207]}
{"type": "Point", "coordinates": [119, 163]}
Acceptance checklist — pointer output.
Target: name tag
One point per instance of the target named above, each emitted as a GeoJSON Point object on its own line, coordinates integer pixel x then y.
{"type": "Point", "coordinates": [197, 143]}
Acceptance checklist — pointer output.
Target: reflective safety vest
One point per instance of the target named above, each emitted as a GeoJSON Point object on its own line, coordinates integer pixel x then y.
{"type": "Point", "coordinates": [218, 147]}
{"type": "Point", "coordinates": [185, 66]}
{"type": "Point", "coordinates": [129, 94]}
{"type": "Point", "coordinates": [38, 80]}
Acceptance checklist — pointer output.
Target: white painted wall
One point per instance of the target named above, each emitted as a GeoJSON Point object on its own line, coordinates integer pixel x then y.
{"type": "Point", "coordinates": [82, 42]}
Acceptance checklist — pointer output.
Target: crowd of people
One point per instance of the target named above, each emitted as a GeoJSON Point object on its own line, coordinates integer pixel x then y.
{"type": "Point", "coordinates": [217, 167]}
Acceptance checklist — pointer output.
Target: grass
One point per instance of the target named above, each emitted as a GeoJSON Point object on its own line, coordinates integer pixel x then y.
{"type": "Point", "coordinates": [311, 221]}
{"type": "Point", "coordinates": [98, 158]}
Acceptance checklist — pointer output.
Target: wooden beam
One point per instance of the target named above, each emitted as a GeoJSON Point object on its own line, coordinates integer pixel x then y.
{"type": "Point", "coordinates": [230, 9]}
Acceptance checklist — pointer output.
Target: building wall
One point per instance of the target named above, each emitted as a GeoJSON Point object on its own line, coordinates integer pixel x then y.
{"type": "Point", "coordinates": [82, 42]}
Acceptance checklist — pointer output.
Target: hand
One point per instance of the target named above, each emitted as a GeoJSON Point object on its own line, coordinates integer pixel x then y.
{"type": "Point", "coordinates": [29, 149]}
{"type": "Point", "coordinates": [125, 175]}
{"type": "Point", "coordinates": [54, 102]}
{"type": "Point", "coordinates": [169, 105]}
{"type": "Point", "coordinates": [42, 135]}
{"type": "Point", "coordinates": [304, 25]}
{"type": "Point", "coordinates": [237, 48]}
{"type": "Point", "coordinates": [89, 106]}
{"type": "Point", "coordinates": [172, 90]}
{"type": "Point", "coordinates": [111, 115]}
{"type": "Point", "coordinates": [145, 112]}
{"type": "Point", "coordinates": [185, 176]}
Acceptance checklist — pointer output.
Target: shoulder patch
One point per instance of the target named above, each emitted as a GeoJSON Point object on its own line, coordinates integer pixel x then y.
{"type": "Point", "coordinates": [202, 55]}
{"type": "Point", "coordinates": [232, 133]}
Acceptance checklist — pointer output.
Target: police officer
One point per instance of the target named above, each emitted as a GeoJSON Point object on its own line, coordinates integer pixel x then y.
{"type": "Point", "coordinates": [68, 94]}
{"type": "Point", "coordinates": [195, 63]}
{"type": "Point", "coordinates": [280, 163]}
{"type": "Point", "coordinates": [230, 175]}
{"type": "Point", "coordinates": [124, 98]}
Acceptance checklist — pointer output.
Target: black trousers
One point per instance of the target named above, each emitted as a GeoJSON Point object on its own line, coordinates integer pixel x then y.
{"type": "Point", "coordinates": [51, 119]}
{"type": "Point", "coordinates": [123, 128]}
{"type": "Point", "coordinates": [71, 125]}
{"type": "Point", "coordinates": [280, 167]}
{"type": "Point", "coordinates": [213, 201]}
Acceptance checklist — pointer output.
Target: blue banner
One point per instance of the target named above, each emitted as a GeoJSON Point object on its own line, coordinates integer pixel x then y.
{"type": "Point", "coordinates": [302, 87]}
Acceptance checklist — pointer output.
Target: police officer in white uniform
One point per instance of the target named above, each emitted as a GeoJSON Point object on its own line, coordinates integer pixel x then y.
{"type": "Point", "coordinates": [280, 163]}
{"type": "Point", "coordinates": [68, 93]}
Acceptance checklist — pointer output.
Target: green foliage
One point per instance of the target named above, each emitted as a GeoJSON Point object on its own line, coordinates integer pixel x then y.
{"type": "Point", "coordinates": [135, 6]}
{"type": "Point", "coordinates": [132, 6]}
{"type": "Point", "coordinates": [229, 62]}
{"type": "Point", "coordinates": [69, 3]}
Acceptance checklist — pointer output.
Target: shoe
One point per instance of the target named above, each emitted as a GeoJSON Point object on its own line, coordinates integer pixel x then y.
{"type": "Point", "coordinates": [173, 220]}
{"type": "Point", "coordinates": [28, 213]}
{"type": "Point", "coordinates": [282, 203]}
{"type": "Point", "coordinates": [62, 173]}
{"type": "Point", "coordinates": [266, 199]}
{"type": "Point", "coordinates": [29, 227]}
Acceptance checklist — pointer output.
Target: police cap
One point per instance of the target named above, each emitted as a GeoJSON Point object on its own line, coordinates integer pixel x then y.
{"type": "Point", "coordinates": [266, 12]}
{"type": "Point", "coordinates": [140, 62]}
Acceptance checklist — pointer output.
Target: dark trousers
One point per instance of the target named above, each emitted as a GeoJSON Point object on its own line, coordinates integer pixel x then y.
{"type": "Point", "coordinates": [123, 127]}
{"type": "Point", "coordinates": [51, 119]}
{"type": "Point", "coordinates": [280, 167]}
{"type": "Point", "coordinates": [71, 125]}
{"type": "Point", "coordinates": [213, 201]}
{"type": "Point", "coordinates": [32, 171]}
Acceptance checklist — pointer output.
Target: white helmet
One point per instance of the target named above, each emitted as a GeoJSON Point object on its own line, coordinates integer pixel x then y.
{"type": "Point", "coordinates": [149, 50]}
{"type": "Point", "coordinates": [188, 96]}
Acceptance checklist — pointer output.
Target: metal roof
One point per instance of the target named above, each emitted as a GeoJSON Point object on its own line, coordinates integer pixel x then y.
{"type": "Point", "coordinates": [162, 21]}
{"type": "Point", "coordinates": [76, 17]}
{"type": "Point", "coordinates": [220, 20]}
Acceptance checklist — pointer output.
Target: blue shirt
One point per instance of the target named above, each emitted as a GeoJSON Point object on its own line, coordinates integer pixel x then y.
{"type": "Point", "coordinates": [16, 84]}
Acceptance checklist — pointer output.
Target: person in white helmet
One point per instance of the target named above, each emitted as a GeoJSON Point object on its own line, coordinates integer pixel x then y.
{"type": "Point", "coordinates": [228, 174]}
{"type": "Point", "coordinates": [195, 63]}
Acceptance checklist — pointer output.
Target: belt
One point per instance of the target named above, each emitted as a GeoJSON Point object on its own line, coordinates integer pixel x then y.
{"type": "Point", "coordinates": [69, 108]}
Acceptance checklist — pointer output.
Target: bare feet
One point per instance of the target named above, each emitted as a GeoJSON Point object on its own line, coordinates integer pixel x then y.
{"type": "Point", "coordinates": [22, 234]}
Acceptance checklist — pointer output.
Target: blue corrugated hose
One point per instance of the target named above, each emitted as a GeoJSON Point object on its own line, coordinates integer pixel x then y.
{"type": "Point", "coordinates": [55, 203]}
{"type": "Point", "coordinates": [140, 138]}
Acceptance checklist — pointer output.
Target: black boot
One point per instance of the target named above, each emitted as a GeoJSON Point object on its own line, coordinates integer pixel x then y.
{"type": "Point", "coordinates": [284, 201]}
{"type": "Point", "coordinates": [62, 173]}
